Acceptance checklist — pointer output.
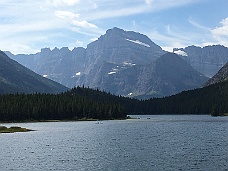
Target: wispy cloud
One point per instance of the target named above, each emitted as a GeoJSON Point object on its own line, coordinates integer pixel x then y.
{"type": "Point", "coordinates": [66, 14]}
{"type": "Point", "coordinates": [63, 2]}
{"type": "Point", "coordinates": [84, 24]}
{"type": "Point", "coordinates": [149, 2]}
{"type": "Point", "coordinates": [198, 25]}
{"type": "Point", "coordinates": [127, 8]}
{"type": "Point", "coordinates": [176, 37]}
{"type": "Point", "coordinates": [26, 25]}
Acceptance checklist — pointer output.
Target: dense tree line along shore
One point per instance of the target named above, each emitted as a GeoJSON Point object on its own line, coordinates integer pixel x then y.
{"type": "Point", "coordinates": [81, 102]}
{"type": "Point", "coordinates": [64, 106]}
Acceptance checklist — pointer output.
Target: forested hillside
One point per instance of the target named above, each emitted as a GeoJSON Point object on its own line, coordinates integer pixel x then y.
{"type": "Point", "coordinates": [84, 103]}
{"type": "Point", "coordinates": [211, 99]}
{"type": "Point", "coordinates": [65, 106]}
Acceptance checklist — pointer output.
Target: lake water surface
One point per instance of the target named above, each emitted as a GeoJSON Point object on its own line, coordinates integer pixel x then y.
{"type": "Point", "coordinates": [168, 142]}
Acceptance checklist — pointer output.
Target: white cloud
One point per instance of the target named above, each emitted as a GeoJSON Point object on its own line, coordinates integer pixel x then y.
{"type": "Point", "coordinates": [93, 4]}
{"type": "Point", "coordinates": [94, 39]}
{"type": "Point", "coordinates": [78, 43]}
{"type": "Point", "coordinates": [149, 2]}
{"type": "Point", "coordinates": [112, 9]}
{"type": "Point", "coordinates": [84, 24]}
{"type": "Point", "coordinates": [171, 38]}
{"type": "Point", "coordinates": [221, 33]}
{"type": "Point", "coordinates": [208, 43]}
{"type": "Point", "coordinates": [65, 2]}
{"type": "Point", "coordinates": [116, 12]}
{"type": "Point", "coordinates": [203, 36]}
{"type": "Point", "coordinates": [180, 52]}
{"type": "Point", "coordinates": [17, 47]}
{"type": "Point", "coordinates": [66, 14]}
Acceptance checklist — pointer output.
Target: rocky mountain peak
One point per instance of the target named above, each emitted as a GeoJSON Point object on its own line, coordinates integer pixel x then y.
{"type": "Point", "coordinates": [64, 49]}
{"type": "Point", "coordinates": [115, 31]}
{"type": "Point", "coordinates": [45, 50]}
{"type": "Point", "coordinates": [129, 38]}
{"type": "Point", "coordinates": [118, 46]}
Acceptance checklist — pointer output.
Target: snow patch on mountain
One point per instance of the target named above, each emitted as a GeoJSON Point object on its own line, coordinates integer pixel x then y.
{"type": "Point", "coordinates": [78, 74]}
{"type": "Point", "coordinates": [138, 42]}
{"type": "Point", "coordinates": [112, 72]}
{"type": "Point", "coordinates": [180, 52]}
{"type": "Point", "coordinates": [128, 64]}
{"type": "Point", "coordinates": [130, 94]}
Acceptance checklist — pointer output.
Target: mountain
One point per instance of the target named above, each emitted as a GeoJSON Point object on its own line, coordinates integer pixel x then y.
{"type": "Point", "coordinates": [60, 65]}
{"type": "Point", "coordinates": [168, 75]}
{"type": "Point", "coordinates": [120, 62]}
{"type": "Point", "coordinates": [16, 78]}
{"type": "Point", "coordinates": [76, 67]}
{"type": "Point", "coordinates": [119, 46]}
{"type": "Point", "coordinates": [207, 60]}
{"type": "Point", "coordinates": [222, 75]}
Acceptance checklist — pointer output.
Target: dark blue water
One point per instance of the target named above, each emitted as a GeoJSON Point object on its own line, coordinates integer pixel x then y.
{"type": "Point", "coordinates": [159, 143]}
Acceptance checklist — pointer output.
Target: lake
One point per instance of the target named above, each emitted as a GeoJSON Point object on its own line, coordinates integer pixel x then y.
{"type": "Point", "coordinates": [151, 143]}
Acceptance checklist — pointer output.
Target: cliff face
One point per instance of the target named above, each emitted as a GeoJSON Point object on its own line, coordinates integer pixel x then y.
{"type": "Point", "coordinates": [207, 60]}
{"type": "Point", "coordinates": [222, 75]}
{"type": "Point", "coordinates": [166, 76]}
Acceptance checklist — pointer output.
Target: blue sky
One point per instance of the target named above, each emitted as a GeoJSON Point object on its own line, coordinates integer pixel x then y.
{"type": "Point", "coordinates": [26, 26]}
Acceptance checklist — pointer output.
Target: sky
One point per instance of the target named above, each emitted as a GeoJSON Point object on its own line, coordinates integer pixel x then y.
{"type": "Point", "coordinates": [26, 26]}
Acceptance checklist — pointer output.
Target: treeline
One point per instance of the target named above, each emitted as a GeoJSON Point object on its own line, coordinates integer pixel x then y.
{"type": "Point", "coordinates": [81, 102]}
{"type": "Point", "coordinates": [131, 106]}
{"type": "Point", "coordinates": [64, 106]}
{"type": "Point", "coordinates": [212, 99]}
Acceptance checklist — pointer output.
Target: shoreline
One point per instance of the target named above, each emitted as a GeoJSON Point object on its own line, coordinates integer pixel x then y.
{"type": "Point", "coordinates": [13, 129]}
{"type": "Point", "coordinates": [56, 120]}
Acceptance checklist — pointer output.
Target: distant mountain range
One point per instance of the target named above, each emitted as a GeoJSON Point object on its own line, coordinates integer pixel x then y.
{"type": "Point", "coordinates": [207, 60]}
{"type": "Point", "coordinates": [15, 78]}
{"type": "Point", "coordinates": [129, 64]}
